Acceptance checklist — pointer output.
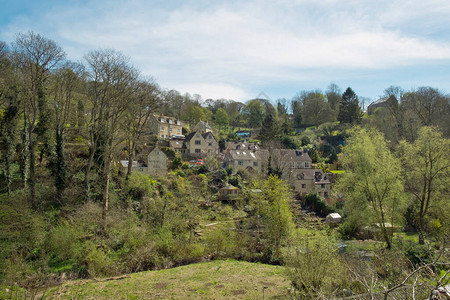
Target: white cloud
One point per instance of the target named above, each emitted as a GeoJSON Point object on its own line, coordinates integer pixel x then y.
{"type": "Point", "coordinates": [230, 47]}
{"type": "Point", "coordinates": [213, 91]}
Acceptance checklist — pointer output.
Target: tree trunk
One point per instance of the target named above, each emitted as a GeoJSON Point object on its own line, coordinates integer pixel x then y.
{"type": "Point", "coordinates": [32, 174]}
{"type": "Point", "coordinates": [105, 185]}
{"type": "Point", "coordinates": [131, 159]}
{"type": "Point", "coordinates": [24, 157]}
{"type": "Point", "coordinates": [60, 167]}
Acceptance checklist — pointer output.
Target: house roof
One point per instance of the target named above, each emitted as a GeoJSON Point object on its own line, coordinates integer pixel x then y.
{"type": "Point", "coordinates": [334, 216]}
{"type": "Point", "coordinates": [204, 124]}
{"type": "Point", "coordinates": [177, 144]}
{"type": "Point", "coordinates": [294, 155]}
{"type": "Point", "coordinates": [243, 155]}
{"type": "Point", "coordinates": [229, 187]}
{"type": "Point", "coordinates": [243, 146]}
{"type": "Point", "coordinates": [205, 135]}
{"type": "Point", "coordinates": [312, 174]}
{"type": "Point", "coordinates": [190, 136]}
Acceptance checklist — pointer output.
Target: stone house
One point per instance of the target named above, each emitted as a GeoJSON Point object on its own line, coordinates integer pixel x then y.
{"type": "Point", "coordinates": [203, 127]}
{"type": "Point", "coordinates": [243, 160]}
{"type": "Point", "coordinates": [165, 127]}
{"type": "Point", "coordinates": [296, 168]}
{"type": "Point", "coordinates": [196, 145]}
{"type": "Point", "coordinates": [151, 161]}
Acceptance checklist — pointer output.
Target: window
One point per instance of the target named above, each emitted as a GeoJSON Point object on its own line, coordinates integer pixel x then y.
{"type": "Point", "coordinates": [325, 194]}
{"type": "Point", "coordinates": [210, 144]}
{"type": "Point", "coordinates": [198, 150]}
{"type": "Point", "coordinates": [306, 164]}
{"type": "Point", "coordinates": [161, 120]}
{"type": "Point", "coordinates": [322, 185]}
{"type": "Point", "coordinates": [240, 162]}
{"type": "Point", "coordinates": [198, 135]}
{"type": "Point", "coordinates": [170, 129]}
{"type": "Point", "coordinates": [198, 142]}
{"type": "Point", "coordinates": [140, 169]}
{"type": "Point", "coordinates": [178, 130]}
{"type": "Point", "coordinates": [170, 121]}
{"type": "Point", "coordinates": [255, 163]}
{"type": "Point", "coordinates": [292, 164]}
{"type": "Point", "coordinates": [162, 135]}
{"type": "Point", "coordinates": [162, 128]}
{"type": "Point", "coordinates": [210, 137]}
{"type": "Point", "coordinates": [303, 186]}
{"type": "Point", "coordinates": [178, 123]}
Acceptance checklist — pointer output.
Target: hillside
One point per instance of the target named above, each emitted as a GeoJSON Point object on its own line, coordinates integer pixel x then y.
{"type": "Point", "coordinates": [210, 280]}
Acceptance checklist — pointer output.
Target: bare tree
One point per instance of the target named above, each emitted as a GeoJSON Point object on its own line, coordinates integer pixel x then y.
{"type": "Point", "coordinates": [112, 82]}
{"type": "Point", "coordinates": [62, 88]}
{"type": "Point", "coordinates": [139, 111]}
{"type": "Point", "coordinates": [35, 57]}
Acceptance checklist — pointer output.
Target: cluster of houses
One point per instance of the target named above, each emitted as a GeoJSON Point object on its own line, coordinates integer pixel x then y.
{"type": "Point", "coordinates": [295, 166]}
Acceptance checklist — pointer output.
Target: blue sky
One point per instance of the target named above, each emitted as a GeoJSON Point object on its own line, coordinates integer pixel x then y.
{"type": "Point", "coordinates": [237, 49]}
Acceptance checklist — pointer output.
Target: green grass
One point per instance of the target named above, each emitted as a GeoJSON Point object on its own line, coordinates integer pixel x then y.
{"type": "Point", "coordinates": [210, 280]}
{"type": "Point", "coordinates": [411, 236]}
{"type": "Point", "coordinates": [337, 171]}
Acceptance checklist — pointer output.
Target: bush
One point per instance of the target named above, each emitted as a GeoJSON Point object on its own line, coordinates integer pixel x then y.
{"type": "Point", "coordinates": [288, 142]}
{"type": "Point", "coordinates": [314, 266]}
{"type": "Point", "coordinates": [418, 254]}
{"type": "Point", "coordinates": [318, 204]}
{"type": "Point", "coordinates": [139, 185]}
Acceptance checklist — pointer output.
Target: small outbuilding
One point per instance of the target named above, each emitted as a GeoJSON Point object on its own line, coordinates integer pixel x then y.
{"type": "Point", "coordinates": [334, 218]}
{"type": "Point", "coordinates": [229, 193]}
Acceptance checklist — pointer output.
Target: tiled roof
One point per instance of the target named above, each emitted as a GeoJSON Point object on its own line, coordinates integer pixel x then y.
{"type": "Point", "coordinates": [243, 155]}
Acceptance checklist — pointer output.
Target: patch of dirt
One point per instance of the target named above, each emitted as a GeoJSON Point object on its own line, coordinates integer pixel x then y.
{"type": "Point", "coordinates": [208, 284]}
{"type": "Point", "coordinates": [220, 286]}
{"type": "Point", "coordinates": [267, 283]}
{"type": "Point", "coordinates": [161, 286]}
{"type": "Point", "coordinates": [238, 292]}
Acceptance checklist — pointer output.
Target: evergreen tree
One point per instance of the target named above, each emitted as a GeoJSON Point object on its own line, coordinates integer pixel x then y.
{"type": "Point", "coordinates": [269, 129]}
{"type": "Point", "coordinates": [349, 111]}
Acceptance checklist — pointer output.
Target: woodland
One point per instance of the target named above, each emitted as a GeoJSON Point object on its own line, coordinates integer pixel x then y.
{"type": "Point", "coordinates": [68, 211]}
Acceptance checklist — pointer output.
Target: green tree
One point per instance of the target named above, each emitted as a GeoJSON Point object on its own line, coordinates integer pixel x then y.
{"type": "Point", "coordinates": [221, 118]}
{"type": "Point", "coordinates": [372, 183]}
{"type": "Point", "coordinates": [427, 171]}
{"type": "Point", "coordinates": [270, 129]}
{"type": "Point", "coordinates": [276, 215]}
{"type": "Point", "coordinates": [315, 109]}
{"type": "Point", "coordinates": [297, 112]}
{"type": "Point", "coordinates": [349, 110]}
{"type": "Point", "coordinates": [254, 113]}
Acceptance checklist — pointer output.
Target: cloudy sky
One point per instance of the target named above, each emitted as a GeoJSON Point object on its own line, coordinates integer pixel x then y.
{"type": "Point", "coordinates": [237, 49]}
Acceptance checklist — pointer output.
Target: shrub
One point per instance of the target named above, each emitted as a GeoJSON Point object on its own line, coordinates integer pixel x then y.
{"type": "Point", "coordinates": [139, 185]}
{"type": "Point", "coordinates": [318, 204]}
{"type": "Point", "coordinates": [314, 266]}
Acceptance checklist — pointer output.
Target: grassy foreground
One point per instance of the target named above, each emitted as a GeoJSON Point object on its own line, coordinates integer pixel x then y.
{"type": "Point", "coordinates": [211, 280]}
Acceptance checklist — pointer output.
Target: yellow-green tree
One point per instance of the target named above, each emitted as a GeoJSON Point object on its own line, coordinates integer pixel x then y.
{"type": "Point", "coordinates": [276, 215]}
{"type": "Point", "coordinates": [372, 184]}
{"type": "Point", "coordinates": [427, 172]}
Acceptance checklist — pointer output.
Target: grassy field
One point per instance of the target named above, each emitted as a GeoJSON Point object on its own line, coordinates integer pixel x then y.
{"type": "Point", "coordinates": [211, 280]}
